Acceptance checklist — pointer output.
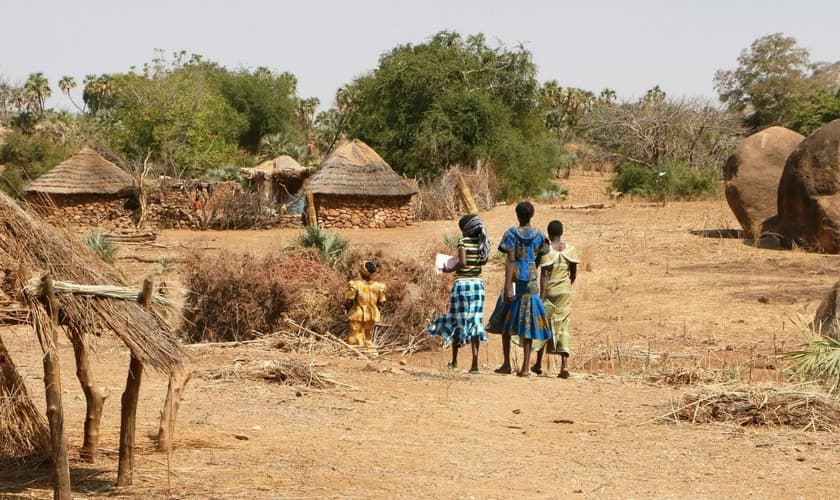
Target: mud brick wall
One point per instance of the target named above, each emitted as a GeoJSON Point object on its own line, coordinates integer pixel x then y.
{"type": "Point", "coordinates": [344, 212]}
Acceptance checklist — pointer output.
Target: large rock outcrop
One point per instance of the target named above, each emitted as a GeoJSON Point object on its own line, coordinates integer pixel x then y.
{"type": "Point", "coordinates": [809, 192]}
{"type": "Point", "coordinates": [828, 314]}
{"type": "Point", "coordinates": [752, 175]}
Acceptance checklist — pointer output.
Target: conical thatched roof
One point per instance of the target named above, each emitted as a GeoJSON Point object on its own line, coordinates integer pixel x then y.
{"type": "Point", "coordinates": [86, 172]}
{"type": "Point", "coordinates": [355, 169]}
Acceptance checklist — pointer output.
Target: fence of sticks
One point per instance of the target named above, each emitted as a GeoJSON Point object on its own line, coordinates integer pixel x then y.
{"type": "Point", "coordinates": [53, 283]}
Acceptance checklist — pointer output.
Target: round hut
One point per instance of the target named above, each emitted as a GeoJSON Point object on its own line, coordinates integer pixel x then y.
{"type": "Point", "coordinates": [278, 182]}
{"type": "Point", "coordinates": [355, 187]}
{"type": "Point", "coordinates": [87, 190]}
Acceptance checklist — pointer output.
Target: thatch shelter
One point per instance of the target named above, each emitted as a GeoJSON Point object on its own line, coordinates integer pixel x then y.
{"type": "Point", "coordinates": [355, 187]}
{"type": "Point", "coordinates": [278, 182]}
{"type": "Point", "coordinates": [53, 283]}
{"type": "Point", "coordinates": [86, 190]}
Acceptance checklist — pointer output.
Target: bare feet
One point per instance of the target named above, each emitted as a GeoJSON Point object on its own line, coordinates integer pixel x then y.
{"type": "Point", "coordinates": [563, 374]}
{"type": "Point", "coordinates": [536, 369]}
{"type": "Point", "coordinates": [504, 370]}
{"type": "Point", "coordinates": [523, 373]}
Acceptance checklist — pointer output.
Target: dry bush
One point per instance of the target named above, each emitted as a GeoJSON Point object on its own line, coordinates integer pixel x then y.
{"type": "Point", "coordinates": [440, 199]}
{"type": "Point", "coordinates": [241, 210]}
{"type": "Point", "coordinates": [293, 372]}
{"type": "Point", "coordinates": [802, 410]}
{"type": "Point", "coordinates": [235, 296]}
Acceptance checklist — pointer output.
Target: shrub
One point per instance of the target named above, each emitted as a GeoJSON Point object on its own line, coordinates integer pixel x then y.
{"type": "Point", "coordinates": [102, 246]}
{"type": "Point", "coordinates": [674, 181]}
{"type": "Point", "coordinates": [235, 296]}
{"type": "Point", "coordinates": [330, 245]}
{"type": "Point", "coordinates": [818, 358]}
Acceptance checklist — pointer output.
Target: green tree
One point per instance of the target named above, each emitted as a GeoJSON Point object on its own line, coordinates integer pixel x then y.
{"type": "Point", "coordinates": [453, 100]}
{"type": "Point", "coordinates": [773, 75]}
{"type": "Point", "coordinates": [66, 84]}
{"type": "Point", "coordinates": [820, 107]}
{"type": "Point", "coordinates": [266, 99]}
{"type": "Point", "coordinates": [37, 89]}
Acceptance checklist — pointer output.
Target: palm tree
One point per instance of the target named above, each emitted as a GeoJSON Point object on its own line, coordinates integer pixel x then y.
{"type": "Point", "coordinates": [66, 84]}
{"type": "Point", "coordinates": [37, 88]}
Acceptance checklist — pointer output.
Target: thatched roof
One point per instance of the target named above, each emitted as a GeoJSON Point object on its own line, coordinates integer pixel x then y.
{"type": "Point", "coordinates": [355, 169]}
{"type": "Point", "coordinates": [282, 166]}
{"type": "Point", "coordinates": [86, 172]}
{"type": "Point", "coordinates": [29, 246]}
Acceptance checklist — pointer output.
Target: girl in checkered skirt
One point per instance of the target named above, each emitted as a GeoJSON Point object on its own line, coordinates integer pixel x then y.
{"type": "Point", "coordinates": [464, 323]}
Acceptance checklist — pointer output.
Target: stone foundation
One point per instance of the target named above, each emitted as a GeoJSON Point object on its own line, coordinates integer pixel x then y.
{"type": "Point", "coordinates": [109, 213]}
{"type": "Point", "coordinates": [344, 212]}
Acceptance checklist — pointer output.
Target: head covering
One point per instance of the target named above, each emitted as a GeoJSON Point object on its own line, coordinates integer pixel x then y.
{"type": "Point", "coordinates": [367, 267]}
{"type": "Point", "coordinates": [472, 226]}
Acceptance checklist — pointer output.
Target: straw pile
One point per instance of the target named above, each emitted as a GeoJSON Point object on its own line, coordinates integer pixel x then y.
{"type": "Point", "coordinates": [29, 246]}
{"type": "Point", "coordinates": [356, 169]}
{"type": "Point", "coordinates": [23, 430]}
{"type": "Point", "coordinates": [801, 410]}
{"type": "Point", "coordinates": [86, 172]}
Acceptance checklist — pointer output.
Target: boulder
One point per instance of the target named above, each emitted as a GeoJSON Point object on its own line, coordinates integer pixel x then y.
{"type": "Point", "coordinates": [752, 175]}
{"type": "Point", "coordinates": [809, 192]}
{"type": "Point", "coordinates": [825, 321]}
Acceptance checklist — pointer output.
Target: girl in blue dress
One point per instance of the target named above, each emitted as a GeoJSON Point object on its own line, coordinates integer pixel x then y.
{"type": "Point", "coordinates": [519, 313]}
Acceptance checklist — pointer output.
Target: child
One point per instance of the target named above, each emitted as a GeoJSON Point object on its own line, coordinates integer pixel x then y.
{"type": "Point", "coordinates": [519, 314]}
{"type": "Point", "coordinates": [363, 297]}
{"type": "Point", "coordinates": [559, 270]}
{"type": "Point", "coordinates": [463, 324]}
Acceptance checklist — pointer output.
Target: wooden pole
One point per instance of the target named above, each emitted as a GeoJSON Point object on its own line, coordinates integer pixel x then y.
{"type": "Point", "coordinates": [466, 195]}
{"type": "Point", "coordinates": [94, 397]}
{"type": "Point", "coordinates": [311, 214]}
{"type": "Point", "coordinates": [179, 376]}
{"type": "Point", "coordinates": [55, 409]}
{"type": "Point", "coordinates": [128, 413]}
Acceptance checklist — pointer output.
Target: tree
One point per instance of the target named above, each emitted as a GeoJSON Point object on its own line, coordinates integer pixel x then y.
{"type": "Point", "coordinates": [452, 101]}
{"type": "Point", "coordinates": [820, 107]}
{"type": "Point", "coordinates": [773, 75]}
{"type": "Point", "coordinates": [66, 84]}
{"type": "Point", "coordinates": [266, 99]}
{"type": "Point", "coordinates": [37, 89]}
{"type": "Point", "coordinates": [658, 129]}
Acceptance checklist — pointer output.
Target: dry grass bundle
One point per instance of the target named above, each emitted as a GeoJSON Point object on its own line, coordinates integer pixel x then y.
{"type": "Point", "coordinates": [30, 246]}
{"type": "Point", "coordinates": [241, 210]}
{"type": "Point", "coordinates": [293, 372]}
{"type": "Point", "coordinates": [440, 199]}
{"type": "Point", "coordinates": [23, 430]}
{"type": "Point", "coordinates": [801, 410]}
{"type": "Point", "coordinates": [680, 375]}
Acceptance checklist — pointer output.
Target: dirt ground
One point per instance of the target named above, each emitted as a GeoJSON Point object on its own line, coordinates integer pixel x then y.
{"type": "Point", "coordinates": [662, 287]}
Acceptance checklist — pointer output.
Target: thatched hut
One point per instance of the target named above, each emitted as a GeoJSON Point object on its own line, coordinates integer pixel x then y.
{"type": "Point", "coordinates": [278, 182]}
{"type": "Point", "coordinates": [86, 190]}
{"type": "Point", "coordinates": [355, 187]}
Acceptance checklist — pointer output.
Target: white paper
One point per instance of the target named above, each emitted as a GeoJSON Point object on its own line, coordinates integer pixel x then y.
{"type": "Point", "coordinates": [443, 261]}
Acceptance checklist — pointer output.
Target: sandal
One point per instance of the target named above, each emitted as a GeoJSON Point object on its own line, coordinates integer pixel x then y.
{"type": "Point", "coordinates": [474, 372]}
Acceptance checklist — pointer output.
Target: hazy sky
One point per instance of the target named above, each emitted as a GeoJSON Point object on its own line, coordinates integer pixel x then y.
{"type": "Point", "coordinates": [625, 45]}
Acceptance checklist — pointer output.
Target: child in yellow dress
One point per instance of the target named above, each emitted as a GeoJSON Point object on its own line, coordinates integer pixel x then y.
{"type": "Point", "coordinates": [363, 298]}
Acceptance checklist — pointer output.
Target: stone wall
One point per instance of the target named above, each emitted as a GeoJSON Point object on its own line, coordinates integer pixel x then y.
{"type": "Point", "coordinates": [344, 212]}
{"type": "Point", "coordinates": [109, 213]}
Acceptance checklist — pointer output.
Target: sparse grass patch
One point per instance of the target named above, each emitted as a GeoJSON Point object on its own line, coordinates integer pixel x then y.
{"type": "Point", "coordinates": [102, 246]}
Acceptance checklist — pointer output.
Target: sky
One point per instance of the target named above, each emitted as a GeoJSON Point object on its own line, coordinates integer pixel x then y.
{"type": "Point", "coordinates": [628, 46]}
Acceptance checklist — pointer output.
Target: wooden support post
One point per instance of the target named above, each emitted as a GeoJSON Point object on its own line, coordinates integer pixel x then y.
{"type": "Point", "coordinates": [94, 397]}
{"type": "Point", "coordinates": [128, 412]}
{"type": "Point", "coordinates": [179, 376]}
{"type": "Point", "coordinates": [311, 214]}
{"type": "Point", "coordinates": [466, 195]}
{"type": "Point", "coordinates": [52, 384]}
